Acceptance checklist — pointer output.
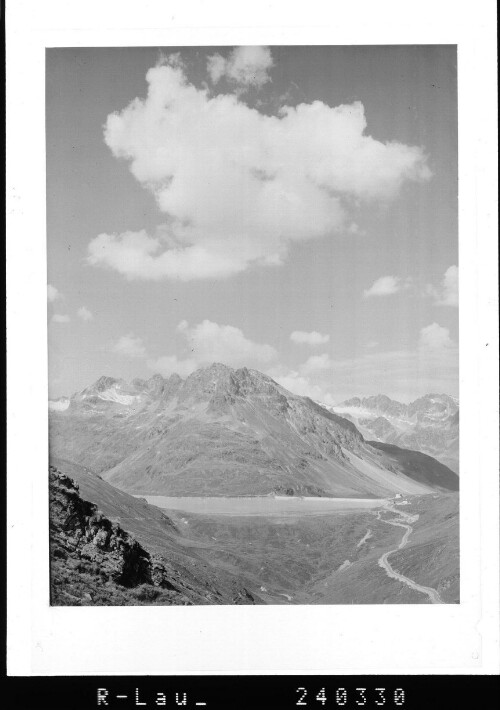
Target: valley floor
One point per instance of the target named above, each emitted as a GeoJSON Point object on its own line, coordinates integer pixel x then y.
{"type": "Point", "coordinates": [283, 550]}
{"type": "Point", "coordinates": [388, 554]}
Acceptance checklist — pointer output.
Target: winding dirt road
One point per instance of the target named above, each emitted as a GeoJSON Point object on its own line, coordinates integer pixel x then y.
{"type": "Point", "coordinates": [384, 562]}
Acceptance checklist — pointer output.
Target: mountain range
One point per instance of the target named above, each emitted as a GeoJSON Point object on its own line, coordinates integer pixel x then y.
{"type": "Point", "coordinates": [224, 431]}
{"type": "Point", "coordinates": [429, 424]}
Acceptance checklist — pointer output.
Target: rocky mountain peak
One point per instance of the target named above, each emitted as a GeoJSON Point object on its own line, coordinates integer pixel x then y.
{"type": "Point", "coordinates": [432, 408]}
{"type": "Point", "coordinates": [207, 380]}
{"type": "Point", "coordinates": [380, 403]}
{"type": "Point", "coordinates": [155, 385]}
{"type": "Point", "coordinates": [428, 424]}
{"type": "Point", "coordinates": [383, 403]}
{"type": "Point", "coordinates": [221, 380]}
{"type": "Point", "coordinates": [353, 402]}
{"type": "Point", "coordinates": [171, 386]}
{"type": "Point", "coordinates": [223, 431]}
{"type": "Point", "coordinates": [104, 383]}
{"type": "Point", "coordinates": [139, 384]}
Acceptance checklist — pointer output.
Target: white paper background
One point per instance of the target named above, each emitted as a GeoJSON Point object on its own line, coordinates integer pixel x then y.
{"type": "Point", "coordinates": [283, 639]}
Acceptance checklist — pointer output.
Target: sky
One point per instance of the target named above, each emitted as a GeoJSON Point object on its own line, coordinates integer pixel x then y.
{"type": "Point", "coordinates": [288, 209]}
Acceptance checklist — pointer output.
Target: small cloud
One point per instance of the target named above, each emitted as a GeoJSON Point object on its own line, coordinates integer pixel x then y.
{"type": "Point", "coordinates": [371, 344]}
{"type": "Point", "coordinates": [84, 314]}
{"type": "Point", "coordinates": [246, 66]}
{"type": "Point", "coordinates": [301, 385]}
{"type": "Point", "coordinates": [52, 293]}
{"type": "Point", "coordinates": [356, 230]}
{"type": "Point", "coordinates": [447, 293]}
{"type": "Point", "coordinates": [60, 318]}
{"type": "Point", "coordinates": [435, 337]}
{"type": "Point", "coordinates": [313, 338]}
{"type": "Point", "coordinates": [292, 96]}
{"type": "Point", "coordinates": [211, 342]}
{"type": "Point", "coordinates": [169, 364]}
{"type": "Point", "coordinates": [317, 362]}
{"type": "Point", "coordinates": [216, 67]}
{"type": "Point", "coordinates": [386, 286]}
{"type": "Point", "coordinates": [130, 346]}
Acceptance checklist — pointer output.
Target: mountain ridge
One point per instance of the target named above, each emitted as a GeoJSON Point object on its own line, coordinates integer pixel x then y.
{"type": "Point", "coordinates": [223, 431]}
{"type": "Point", "coordinates": [429, 424]}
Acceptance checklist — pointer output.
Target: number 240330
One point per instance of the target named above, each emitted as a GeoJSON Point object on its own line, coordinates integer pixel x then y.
{"type": "Point", "coordinates": [342, 697]}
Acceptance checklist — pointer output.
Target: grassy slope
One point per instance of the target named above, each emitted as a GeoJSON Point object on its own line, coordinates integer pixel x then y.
{"type": "Point", "coordinates": [151, 526]}
{"type": "Point", "coordinates": [245, 450]}
{"type": "Point", "coordinates": [298, 556]}
{"type": "Point", "coordinates": [227, 432]}
{"type": "Point", "coordinates": [185, 561]}
{"type": "Point", "coordinates": [302, 557]}
{"type": "Point", "coordinates": [432, 556]}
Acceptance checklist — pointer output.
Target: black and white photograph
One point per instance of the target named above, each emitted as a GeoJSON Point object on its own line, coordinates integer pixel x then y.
{"type": "Point", "coordinates": [253, 325]}
{"type": "Point", "coordinates": [252, 342]}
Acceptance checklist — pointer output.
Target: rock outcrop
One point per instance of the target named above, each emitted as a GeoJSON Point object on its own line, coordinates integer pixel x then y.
{"type": "Point", "coordinates": [94, 561]}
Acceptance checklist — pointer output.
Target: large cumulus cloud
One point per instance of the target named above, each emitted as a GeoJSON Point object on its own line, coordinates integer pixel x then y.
{"type": "Point", "coordinates": [237, 187]}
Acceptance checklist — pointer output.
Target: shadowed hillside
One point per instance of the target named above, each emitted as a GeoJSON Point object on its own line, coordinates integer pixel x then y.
{"type": "Point", "coordinates": [420, 467]}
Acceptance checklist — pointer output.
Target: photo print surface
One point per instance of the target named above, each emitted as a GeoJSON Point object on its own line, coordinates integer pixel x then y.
{"type": "Point", "coordinates": [253, 325]}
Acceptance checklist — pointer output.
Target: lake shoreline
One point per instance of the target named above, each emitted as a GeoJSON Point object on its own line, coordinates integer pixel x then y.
{"type": "Point", "coordinates": [261, 505]}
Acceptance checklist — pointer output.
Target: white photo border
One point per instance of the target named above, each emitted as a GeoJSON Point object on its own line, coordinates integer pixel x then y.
{"type": "Point", "coordinates": [362, 639]}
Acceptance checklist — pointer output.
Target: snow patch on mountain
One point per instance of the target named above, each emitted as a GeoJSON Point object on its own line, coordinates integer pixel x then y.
{"type": "Point", "coordinates": [225, 431]}
{"type": "Point", "coordinates": [59, 405]}
{"type": "Point", "coordinates": [429, 424]}
{"type": "Point", "coordinates": [112, 395]}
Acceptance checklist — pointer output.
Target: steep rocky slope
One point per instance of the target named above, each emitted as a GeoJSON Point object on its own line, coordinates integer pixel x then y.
{"type": "Point", "coordinates": [430, 424]}
{"type": "Point", "coordinates": [222, 432]}
{"type": "Point", "coordinates": [95, 561]}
